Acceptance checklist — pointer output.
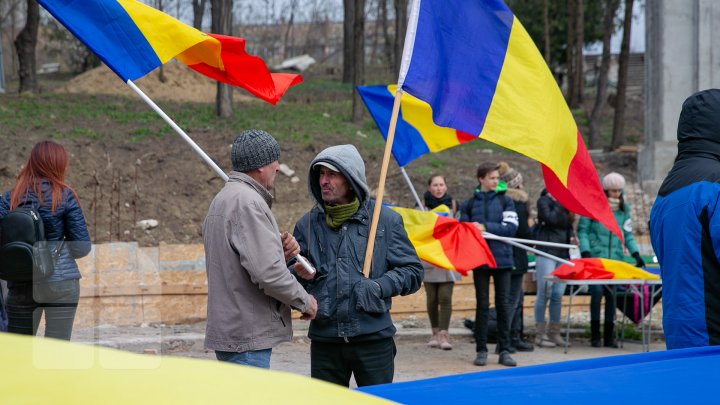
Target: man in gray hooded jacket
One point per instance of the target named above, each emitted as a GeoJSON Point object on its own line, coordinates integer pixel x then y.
{"type": "Point", "coordinates": [352, 333]}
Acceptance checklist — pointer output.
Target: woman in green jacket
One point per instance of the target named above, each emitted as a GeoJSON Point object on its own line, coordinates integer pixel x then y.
{"type": "Point", "coordinates": [597, 241]}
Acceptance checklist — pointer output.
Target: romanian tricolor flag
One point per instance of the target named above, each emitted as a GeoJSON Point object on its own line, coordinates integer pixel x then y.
{"type": "Point", "coordinates": [477, 71]}
{"type": "Point", "coordinates": [602, 269]}
{"type": "Point", "coordinates": [133, 39]}
{"type": "Point", "coordinates": [53, 371]}
{"type": "Point", "coordinates": [446, 242]}
{"type": "Point", "coordinates": [416, 134]}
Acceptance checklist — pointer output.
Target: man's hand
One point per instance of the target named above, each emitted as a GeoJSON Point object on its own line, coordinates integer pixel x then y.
{"type": "Point", "coordinates": [290, 246]}
{"type": "Point", "coordinates": [479, 226]}
{"type": "Point", "coordinates": [302, 272]}
{"type": "Point", "coordinates": [311, 312]}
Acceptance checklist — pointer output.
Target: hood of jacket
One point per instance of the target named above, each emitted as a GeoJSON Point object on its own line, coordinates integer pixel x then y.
{"type": "Point", "coordinates": [348, 160]}
{"type": "Point", "coordinates": [698, 136]}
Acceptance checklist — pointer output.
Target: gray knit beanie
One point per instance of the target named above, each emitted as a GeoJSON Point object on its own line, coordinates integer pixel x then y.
{"type": "Point", "coordinates": [252, 149]}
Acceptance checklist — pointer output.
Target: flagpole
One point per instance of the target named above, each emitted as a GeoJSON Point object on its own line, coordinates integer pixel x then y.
{"type": "Point", "coordinates": [179, 130]}
{"type": "Point", "coordinates": [535, 242]}
{"type": "Point", "coordinates": [381, 185]}
{"type": "Point", "coordinates": [412, 189]}
{"type": "Point", "coordinates": [490, 236]}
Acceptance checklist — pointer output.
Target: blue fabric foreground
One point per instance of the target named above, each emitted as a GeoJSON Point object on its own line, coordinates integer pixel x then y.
{"type": "Point", "coordinates": [675, 376]}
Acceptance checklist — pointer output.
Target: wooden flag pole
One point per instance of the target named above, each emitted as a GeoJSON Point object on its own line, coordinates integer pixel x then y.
{"type": "Point", "coordinates": [381, 186]}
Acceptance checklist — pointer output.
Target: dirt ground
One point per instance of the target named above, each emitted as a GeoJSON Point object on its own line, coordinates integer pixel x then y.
{"type": "Point", "coordinates": [414, 359]}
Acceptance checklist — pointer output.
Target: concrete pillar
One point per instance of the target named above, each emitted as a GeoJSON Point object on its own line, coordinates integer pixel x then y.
{"type": "Point", "coordinates": [682, 57]}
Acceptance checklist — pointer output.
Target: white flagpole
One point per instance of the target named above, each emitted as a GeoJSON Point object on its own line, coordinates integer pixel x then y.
{"type": "Point", "coordinates": [412, 189]}
{"type": "Point", "coordinates": [509, 241]}
{"type": "Point", "coordinates": [197, 149]}
{"type": "Point", "coordinates": [179, 130]}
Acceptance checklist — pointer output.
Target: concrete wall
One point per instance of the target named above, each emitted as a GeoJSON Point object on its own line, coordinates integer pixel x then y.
{"type": "Point", "coordinates": [124, 284]}
{"type": "Point", "coordinates": [682, 57]}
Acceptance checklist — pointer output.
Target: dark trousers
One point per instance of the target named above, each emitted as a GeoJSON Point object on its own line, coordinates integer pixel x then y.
{"type": "Point", "coordinates": [517, 296]}
{"type": "Point", "coordinates": [371, 362]}
{"type": "Point", "coordinates": [27, 302]}
{"type": "Point", "coordinates": [596, 294]}
{"type": "Point", "coordinates": [481, 278]}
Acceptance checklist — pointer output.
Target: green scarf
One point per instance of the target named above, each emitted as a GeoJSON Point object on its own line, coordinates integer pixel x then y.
{"type": "Point", "coordinates": [335, 215]}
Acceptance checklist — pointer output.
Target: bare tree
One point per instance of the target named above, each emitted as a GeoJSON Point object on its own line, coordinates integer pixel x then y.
{"type": "Point", "coordinates": [25, 45]}
{"type": "Point", "coordinates": [601, 93]}
{"type": "Point", "coordinates": [618, 137]}
{"type": "Point", "coordinates": [383, 17]}
{"type": "Point", "coordinates": [400, 28]}
{"type": "Point", "coordinates": [579, 43]}
{"type": "Point", "coordinates": [161, 71]}
{"type": "Point", "coordinates": [570, 54]}
{"type": "Point", "coordinates": [546, 31]}
{"type": "Point", "coordinates": [221, 11]}
{"type": "Point", "coordinates": [348, 30]}
{"type": "Point", "coordinates": [198, 7]}
{"type": "Point", "coordinates": [289, 41]}
{"type": "Point", "coordinates": [358, 57]}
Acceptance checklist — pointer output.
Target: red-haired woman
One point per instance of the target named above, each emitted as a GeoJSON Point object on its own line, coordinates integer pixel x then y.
{"type": "Point", "coordinates": [41, 184]}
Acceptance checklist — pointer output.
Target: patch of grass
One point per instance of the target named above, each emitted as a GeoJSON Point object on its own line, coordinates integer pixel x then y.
{"type": "Point", "coordinates": [82, 132]}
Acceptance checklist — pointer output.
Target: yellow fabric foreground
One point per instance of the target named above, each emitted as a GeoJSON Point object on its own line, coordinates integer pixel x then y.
{"type": "Point", "coordinates": [49, 371]}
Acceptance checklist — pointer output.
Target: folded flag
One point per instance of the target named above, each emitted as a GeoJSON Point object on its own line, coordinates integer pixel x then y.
{"type": "Point", "coordinates": [602, 269]}
{"type": "Point", "coordinates": [446, 242]}
{"type": "Point", "coordinates": [480, 73]}
{"type": "Point", "coordinates": [133, 39]}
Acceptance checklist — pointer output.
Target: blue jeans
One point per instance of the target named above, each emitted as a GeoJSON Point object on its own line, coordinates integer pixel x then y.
{"type": "Point", "coordinates": [257, 358]}
{"type": "Point", "coordinates": [551, 292]}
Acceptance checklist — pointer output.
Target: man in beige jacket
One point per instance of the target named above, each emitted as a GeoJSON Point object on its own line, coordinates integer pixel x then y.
{"type": "Point", "coordinates": [250, 289]}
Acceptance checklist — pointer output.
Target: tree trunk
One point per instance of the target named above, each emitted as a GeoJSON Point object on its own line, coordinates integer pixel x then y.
{"type": "Point", "coordinates": [161, 71]}
{"type": "Point", "coordinates": [387, 50]}
{"type": "Point", "coordinates": [400, 28]}
{"type": "Point", "coordinates": [579, 42]}
{"type": "Point", "coordinates": [618, 137]}
{"type": "Point", "coordinates": [359, 58]}
{"type": "Point", "coordinates": [570, 55]}
{"type": "Point", "coordinates": [348, 54]}
{"type": "Point", "coordinates": [601, 93]}
{"type": "Point", "coordinates": [25, 45]}
{"type": "Point", "coordinates": [198, 13]}
{"type": "Point", "coordinates": [221, 13]}
{"type": "Point", "coordinates": [288, 42]}
{"type": "Point", "coordinates": [546, 31]}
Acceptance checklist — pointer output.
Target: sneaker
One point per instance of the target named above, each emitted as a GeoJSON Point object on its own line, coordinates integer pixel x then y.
{"type": "Point", "coordinates": [506, 360]}
{"type": "Point", "coordinates": [444, 339]}
{"type": "Point", "coordinates": [481, 359]}
{"type": "Point", "coordinates": [522, 346]}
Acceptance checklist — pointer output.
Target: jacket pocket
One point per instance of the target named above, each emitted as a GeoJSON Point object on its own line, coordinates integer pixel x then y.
{"type": "Point", "coordinates": [319, 290]}
{"type": "Point", "coordinates": [360, 242]}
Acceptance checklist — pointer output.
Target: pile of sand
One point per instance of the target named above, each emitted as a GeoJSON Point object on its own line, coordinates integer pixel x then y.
{"type": "Point", "coordinates": [181, 84]}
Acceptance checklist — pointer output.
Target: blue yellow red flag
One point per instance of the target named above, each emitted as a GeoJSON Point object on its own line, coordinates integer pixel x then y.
{"type": "Point", "coordinates": [478, 72]}
{"type": "Point", "coordinates": [133, 39]}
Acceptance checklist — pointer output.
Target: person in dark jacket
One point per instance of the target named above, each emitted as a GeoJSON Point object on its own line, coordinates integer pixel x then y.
{"type": "Point", "coordinates": [513, 184]}
{"type": "Point", "coordinates": [495, 213]}
{"type": "Point", "coordinates": [684, 224]}
{"type": "Point", "coordinates": [556, 225]}
{"type": "Point", "coordinates": [41, 183]}
{"type": "Point", "coordinates": [352, 333]}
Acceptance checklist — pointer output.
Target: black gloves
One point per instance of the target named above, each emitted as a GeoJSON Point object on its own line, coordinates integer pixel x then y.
{"type": "Point", "coordinates": [585, 255]}
{"type": "Point", "coordinates": [639, 262]}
